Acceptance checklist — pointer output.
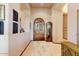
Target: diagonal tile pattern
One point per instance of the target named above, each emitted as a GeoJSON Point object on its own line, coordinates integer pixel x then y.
{"type": "Point", "coordinates": [42, 48]}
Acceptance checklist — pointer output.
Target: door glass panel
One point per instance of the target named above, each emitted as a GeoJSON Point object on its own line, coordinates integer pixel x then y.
{"type": "Point", "coordinates": [49, 31]}
{"type": "Point", "coordinates": [39, 28]}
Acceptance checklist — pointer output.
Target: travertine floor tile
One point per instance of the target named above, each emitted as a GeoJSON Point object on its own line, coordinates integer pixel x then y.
{"type": "Point", "coordinates": [42, 48]}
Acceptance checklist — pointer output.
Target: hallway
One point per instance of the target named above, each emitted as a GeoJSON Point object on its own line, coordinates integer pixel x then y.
{"type": "Point", "coordinates": [42, 24]}
{"type": "Point", "coordinates": [42, 48]}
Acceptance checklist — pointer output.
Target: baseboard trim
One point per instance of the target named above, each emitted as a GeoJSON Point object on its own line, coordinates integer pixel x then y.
{"type": "Point", "coordinates": [25, 48]}
{"type": "Point", "coordinates": [56, 43]}
{"type": "Point", "coordinates": [3, 54]}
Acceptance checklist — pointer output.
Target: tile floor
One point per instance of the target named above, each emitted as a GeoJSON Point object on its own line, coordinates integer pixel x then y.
{"type": "Point", "coordinates": [42, 48]}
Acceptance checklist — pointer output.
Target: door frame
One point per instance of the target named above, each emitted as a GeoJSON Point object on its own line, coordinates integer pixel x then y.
{"type": "Point", "coordinates": [51, 31]}
{"type": "Point", "coordinates": [34, 29]}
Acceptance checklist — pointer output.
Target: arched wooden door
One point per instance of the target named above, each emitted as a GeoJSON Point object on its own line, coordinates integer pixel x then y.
{"type": "Point", "coordinates": [39, 29]}
{"type": "Point", "coordinates": [49, 31]}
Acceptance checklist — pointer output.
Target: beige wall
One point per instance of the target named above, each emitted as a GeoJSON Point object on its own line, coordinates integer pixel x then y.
{"type": "Point", "coordinates": [44, 13]}
{"type": "Point", "coordinates": [57, 19]}
{"type": "Point", "coordinates": [4, 38]}
{"type": "Point", "coordinates": [17, 42]}
{"type": "Point", "coordinates": [53, 15]}
{"type": "Point", "coordinates": [72, 22]}
{"type": "Point", "coordinates": [25, 16]}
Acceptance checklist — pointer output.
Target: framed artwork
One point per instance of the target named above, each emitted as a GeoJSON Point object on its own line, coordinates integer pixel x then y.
{"type": "Point", "coordinates": [1, 27]}
{"type": "Point", "coordinates": [15, 28]}
{"type": "Point", "coordinates": [15, 23]}
{"type": "Point", "coordinates": [15, 15]}
{"type": "Point", "coordinates": [2, 12]}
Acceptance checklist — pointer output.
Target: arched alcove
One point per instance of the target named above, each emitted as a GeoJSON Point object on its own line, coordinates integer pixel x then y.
{"type": "Point", "coordinates": [49, 31]}
{"type": "Point", "coordinates": [39, 29]}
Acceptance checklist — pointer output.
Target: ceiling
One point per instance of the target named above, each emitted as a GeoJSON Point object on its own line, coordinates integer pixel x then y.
{"type": "Point", "coordinates": [22, 6]}
{"type": "Point", "coordinates": [41, 5]}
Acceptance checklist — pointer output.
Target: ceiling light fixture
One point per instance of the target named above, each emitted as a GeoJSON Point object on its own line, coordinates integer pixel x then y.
{"type": "Point", "coordinates": [65, 8]}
